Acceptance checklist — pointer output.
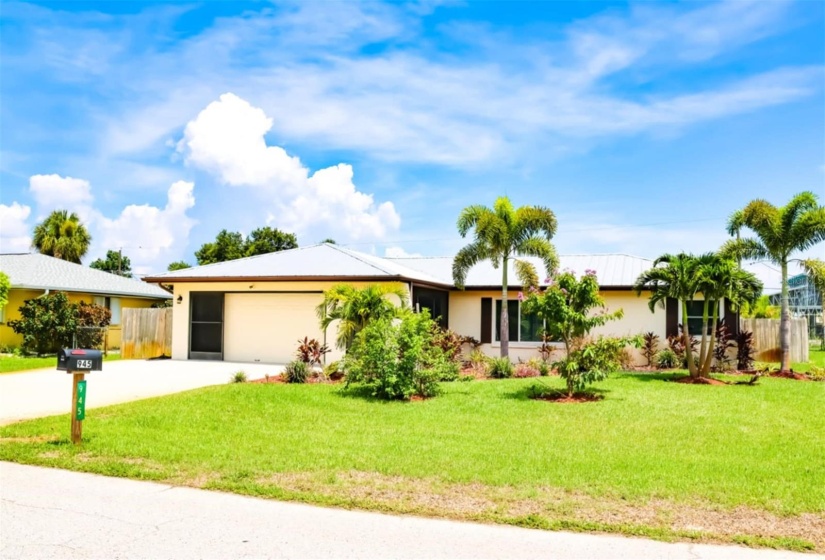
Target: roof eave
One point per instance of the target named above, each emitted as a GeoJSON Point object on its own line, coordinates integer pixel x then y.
{"type": "Point", "coordinates": [87, 291]}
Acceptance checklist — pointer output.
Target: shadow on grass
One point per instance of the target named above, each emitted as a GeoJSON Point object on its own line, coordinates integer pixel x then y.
{"type": "Point", "coordinates": [655, 376]}
{"type": "Point", "coordinates": [532, 392]}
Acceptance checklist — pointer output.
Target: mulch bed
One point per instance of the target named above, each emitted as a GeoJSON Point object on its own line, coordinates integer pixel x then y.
{"type": "Point", "coordinates": [790, 375]}
{"type": "Point", "coordinates": [564, 398]}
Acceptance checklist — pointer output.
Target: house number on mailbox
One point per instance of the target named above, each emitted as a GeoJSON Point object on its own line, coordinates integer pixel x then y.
{"type": "Point", "coordinates": [84, 364]}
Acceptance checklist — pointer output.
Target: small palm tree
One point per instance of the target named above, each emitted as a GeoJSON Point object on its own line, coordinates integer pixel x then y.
{"type": "Point", "coordinates": [815, 269]}
{"type": "Point", "coordinates": [355, 307]}
{"type": "Point", "coordinates": [61, 235]}
{"type": "Point", "coordinates": [676, 279]}
{"type": "Point", "coordinates": [501, 234]}
{"type": "Point", "coordinates": [780, 231]}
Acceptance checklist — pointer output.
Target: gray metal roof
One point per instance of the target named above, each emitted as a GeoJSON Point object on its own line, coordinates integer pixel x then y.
{"type": "Point", "coordinates": [41, 272]}
{"type": "Point", "coordinates": [323, 261]}
{"type": "Point", "coordinates": [333, 261]}
{"type": "Point", "coordinates": [612, 270]}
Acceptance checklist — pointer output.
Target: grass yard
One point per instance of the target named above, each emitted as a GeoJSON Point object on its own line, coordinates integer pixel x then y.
{"type": "Point", "coordinates": [816, 357]}
{"type": "Point", "coordinates": [730, 463]}
{"type": "Point", "coordinates": [12, 364]}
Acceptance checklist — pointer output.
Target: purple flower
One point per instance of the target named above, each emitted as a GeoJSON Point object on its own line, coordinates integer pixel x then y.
{"type": "Point", "coordinates": [564, 291]}
{"type": "Point", "coordinates": [520, 296]}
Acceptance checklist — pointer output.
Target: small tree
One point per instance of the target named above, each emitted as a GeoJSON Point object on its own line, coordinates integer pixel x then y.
{"type": "Point", "coordinates": [355, 307]}
{"type": "Point", "coordinates": [178, 265]}
{"type": "Point", "coordinates": [566, 307]}
{"type": "Point", "coordinates": [47, 323]}
{"type": "Point", "coordinates": [5, 286]}
{"type": "Point", "coordinates": [63, 236]}
{"type": "Point", "coordinates": [115, 262]}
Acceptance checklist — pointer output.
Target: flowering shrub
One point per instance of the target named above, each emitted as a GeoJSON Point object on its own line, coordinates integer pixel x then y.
{"type": "Point", "coordinates": [526, 370]}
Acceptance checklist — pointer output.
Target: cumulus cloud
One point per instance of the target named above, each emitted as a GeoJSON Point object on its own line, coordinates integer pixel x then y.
{"type": "Point", "coordinates": [53, 192]}
{"type": "Point", "coordinates": [152, 236]}
{"type": "Point", "coordinates": [227, 139]}
{"type": "Point", "coordinates": [15, 234]}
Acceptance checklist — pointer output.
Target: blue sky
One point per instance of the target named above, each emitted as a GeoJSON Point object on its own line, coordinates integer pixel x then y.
{"type": "Point", "coordinates": [642, 125]}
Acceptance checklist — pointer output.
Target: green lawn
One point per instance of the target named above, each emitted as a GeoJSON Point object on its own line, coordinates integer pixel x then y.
{"type": "Point", "coordinates": [654, 458]}
{"type": "Point", "coordinates": [815, 357]}
{"type": "Point", "coordinates": [13, 364]}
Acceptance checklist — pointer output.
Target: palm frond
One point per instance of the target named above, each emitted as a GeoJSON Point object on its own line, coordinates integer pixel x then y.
{"type": "Point", "coordinates": [467, 258]}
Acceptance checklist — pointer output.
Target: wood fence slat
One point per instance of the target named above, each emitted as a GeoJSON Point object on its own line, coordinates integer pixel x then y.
{"type": "Point", "coordinates": [766, 339]}
{"type": "Point", "coordinates": [146, 333]}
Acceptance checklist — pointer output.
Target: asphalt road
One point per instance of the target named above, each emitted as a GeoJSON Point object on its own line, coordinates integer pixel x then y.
{"type": "Point", "coordinates": [50, 513]}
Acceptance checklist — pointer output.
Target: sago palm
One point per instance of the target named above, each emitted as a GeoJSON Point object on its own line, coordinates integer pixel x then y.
{"type": "Point", "coordinates": [780, 231]}
{"type": "Point", "coordinates": [61, 235]}
{"type": "Point", "coordinates": [502, 233]}
{"type": "Point", "coordinates": [355, 307]}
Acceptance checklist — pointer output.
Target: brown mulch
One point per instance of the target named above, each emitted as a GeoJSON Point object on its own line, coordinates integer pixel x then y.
{"type": "Point", "coordinates": [790, 375]}
{"type": "Point", "coordinates": [699, 380]}
{"type": "Point", "coordinates": [334, 378]}
{"type": "Point", "coordinates": [564, 398]}
{"type": "Point", "coordinates": [269, 379]}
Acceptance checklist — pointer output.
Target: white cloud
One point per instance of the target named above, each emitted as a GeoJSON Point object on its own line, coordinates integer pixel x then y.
{"type": "Point", "coordinates": [227, 139]}
{"type": "Point", "coordinates": [15, 233]}
{"type": "Point", "coordinates": [53, 192]}
{"type": "Point", "coordinates": [151, 236]}
{"type": "Point", "coordinates": [399, 253]}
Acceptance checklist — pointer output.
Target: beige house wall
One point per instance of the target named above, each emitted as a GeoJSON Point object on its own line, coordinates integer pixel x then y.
{"type": "Point", "coordinates": [465, 319]}
{"type": "Point", "coordinates": [17, 297]}
{"type": "Point", "coordinates": [281, 330]}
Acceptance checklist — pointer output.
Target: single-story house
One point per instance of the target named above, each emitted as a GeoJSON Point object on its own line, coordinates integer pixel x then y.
{"type": "Point", "coordinates": [32, 275]}
{"type": "Point", "coordinates": [257, 308]}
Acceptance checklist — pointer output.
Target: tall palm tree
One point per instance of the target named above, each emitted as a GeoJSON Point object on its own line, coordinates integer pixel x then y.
{"type": "Point", "coordinates": [61, 235]}
{"type": "Point", "coordinates": [501, 234]}
{"type": "Point", "coordinates": [355, 307]}
{"type": "Point", "coordinates": [780, 231]}
{"type": "Point", "coordinates": [677, 279]}
{"type": "Point", "coordinates": [815, 269]}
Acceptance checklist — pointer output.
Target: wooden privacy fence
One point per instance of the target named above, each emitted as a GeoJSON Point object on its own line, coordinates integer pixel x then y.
{"type": "Point", "coordinates": [766, 339]}
{"type": "Point", "coordinates": [146, 333]}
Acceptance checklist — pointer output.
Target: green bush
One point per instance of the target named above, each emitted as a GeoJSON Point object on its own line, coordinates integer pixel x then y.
{"type": "Point", "coordinates": [296, 371]}
{"type": "Point", "coordinates": [542, 365]}
{"type": "Point", "coordinates": [500, 368]}
{"type": "Point", "coordinates": [592, 361]}
{"type": "Point", "coordinates": [47, 323]}
{"type": "Point", "coordinates": [92, 320]}
{"type": "Point", "coordinates": [667, 359]}
{"type": "Point", "coordinates": [397, 360]}
{"type": "Point", "coordinates": [239, 377]}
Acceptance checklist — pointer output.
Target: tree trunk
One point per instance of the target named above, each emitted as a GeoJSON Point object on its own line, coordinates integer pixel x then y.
{"type": "Point", "coordinates": [785, 323]}
{"type": "Point", "coordinates": [686, 338]}
{"type": "Point", "coordinates": [703, 345]}
{"type": "Point", "coordinates": [505, 320]}
{"type": "Point", "coordinates": [709, 356]}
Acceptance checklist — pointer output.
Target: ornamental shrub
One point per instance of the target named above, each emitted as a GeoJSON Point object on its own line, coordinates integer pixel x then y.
{"type": "Point", "coordinates": [500, 368]}
{"type": "Point", "coordinates": [592, 361]}
{"type": "Point", "coordinates": [667, 359]}
{"type": "Point", "coordinates": [296, 371]}
{"type": "Point", "coordinates": [92, 320]}
{"type": "Point", "coordinates": [398, 359]}
{"type": "Point", "coordinates": [47, 323]}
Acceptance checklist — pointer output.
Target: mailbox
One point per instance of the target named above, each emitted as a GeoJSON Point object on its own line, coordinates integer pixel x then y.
{"type": "Point", "coordinates": [79, 360]}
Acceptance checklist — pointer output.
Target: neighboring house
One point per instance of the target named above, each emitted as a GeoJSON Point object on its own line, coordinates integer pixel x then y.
{"type": "Point", "coordinates": [33, 274]}
{"type": "Point", "coordinates": [255, 309]}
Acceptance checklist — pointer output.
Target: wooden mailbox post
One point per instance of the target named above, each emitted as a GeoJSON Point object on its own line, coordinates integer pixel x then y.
{"type": "Point", "coordinates": [78, 362]}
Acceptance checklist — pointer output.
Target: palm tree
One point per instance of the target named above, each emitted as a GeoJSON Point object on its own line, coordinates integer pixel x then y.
{"type": "Point", "coordinates": [61, 235]}
{"type": "Point", "coordinates": [721, 278]}
{"type": "Point", "coordinates": [501, 234]}
{"type": "Point", "coordinates": [815, 269]}
{"type": "Point", "coordinates": [677, 279]}
{"type": "Point", "coordinates": [780, 231]}
{"type": "Point", "coordinates": [355, 307]}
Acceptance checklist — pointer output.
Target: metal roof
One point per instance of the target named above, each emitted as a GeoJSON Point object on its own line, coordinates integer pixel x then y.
{"type": "Point", "coordinates": [327, 261]}
{"type": "Point", "coordinates": [612, 270]}
{"type": "Point", "coordinates": [41, 272]}
{"type": "Point", "coordinates": [323, 261]}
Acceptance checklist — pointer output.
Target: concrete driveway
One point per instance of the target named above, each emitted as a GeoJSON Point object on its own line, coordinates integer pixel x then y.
{"type": "Point", "coordinates": [49, 513]}
{"type": "Point", "coordinates": [32, 394]}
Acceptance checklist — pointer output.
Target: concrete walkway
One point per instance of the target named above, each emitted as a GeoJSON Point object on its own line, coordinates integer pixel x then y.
{"type": "Point", "coordinates": [32, 394]}
{"type": "Point", "coordinates": [49, 513]}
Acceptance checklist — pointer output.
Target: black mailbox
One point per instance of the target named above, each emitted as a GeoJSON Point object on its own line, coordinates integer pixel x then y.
{"type": "Point", "coordinates": [78, 359]}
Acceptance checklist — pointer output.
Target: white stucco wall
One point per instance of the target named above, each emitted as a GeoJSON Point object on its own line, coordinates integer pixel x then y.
{"type": "Point", "coordinates": [465, 319]}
